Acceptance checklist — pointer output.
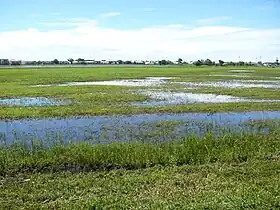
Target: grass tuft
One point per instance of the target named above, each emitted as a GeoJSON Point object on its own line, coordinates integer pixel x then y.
{"type": "Point", "coordinates": [88, 157]}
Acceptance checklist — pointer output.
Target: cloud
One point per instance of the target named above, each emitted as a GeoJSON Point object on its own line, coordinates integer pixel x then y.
{"type": "Point", "coordinates": [149, 9]}
{"type": "Point", "coordinates": [85, 38]}
{"type": "Point", "coordinates": [110, 14]}
{"type": "Point", "coordinates": [214, 20]}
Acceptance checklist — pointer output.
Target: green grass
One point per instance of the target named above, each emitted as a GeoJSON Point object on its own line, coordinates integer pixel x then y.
{"type": "Point", "coordinates": [193, 150]}
{"type": "Point", "coordinates": [230, 172]}
{"type": "Point", "coordinates": [240, 171]}
{"type": "Point", "coordinates": [251, 185]}
{"type": "Point", "coordinates": [107, 100]}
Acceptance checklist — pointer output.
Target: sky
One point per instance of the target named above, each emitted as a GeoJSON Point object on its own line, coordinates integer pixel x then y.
{"type": "Point", "coordinates": [247, 30]}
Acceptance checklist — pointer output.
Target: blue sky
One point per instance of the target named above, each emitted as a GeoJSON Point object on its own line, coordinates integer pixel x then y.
{"type": "Point", "coordinates": [20, 14]}
{"type": "Point", "coordinates": [123, 16]}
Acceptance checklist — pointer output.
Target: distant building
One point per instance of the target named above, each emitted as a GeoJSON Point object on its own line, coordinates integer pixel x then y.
{"type": "Point", "coordinates": [64, 62]}
{"type": "Point", "coordinates": [4, 62]}
{"type": "Point", "coordinates": [104, 62]}
{"type": "Point", "coordinates": [15, 62]}
{"type": "Point", "coordinates": [270, 64]}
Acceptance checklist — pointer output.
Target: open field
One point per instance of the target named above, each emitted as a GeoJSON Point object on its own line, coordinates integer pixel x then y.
{"type": "Point", "coordinates": [111, 99]}
{"type": "Point", "coordinates": [183, 150]}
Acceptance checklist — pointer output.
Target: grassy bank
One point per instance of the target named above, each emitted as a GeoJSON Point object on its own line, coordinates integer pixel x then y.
{"type": "Point", "coordinates": [86, 157]}
{"type": "Point", "coordinates": [229, 172]}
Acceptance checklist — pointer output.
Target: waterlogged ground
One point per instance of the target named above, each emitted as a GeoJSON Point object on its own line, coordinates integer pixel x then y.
{"type": "Point", "coordinates": [228, 160]}
{"type": "Point", "coordinates": [140, 128]}
{"type": "Point", "coordinates": [133, 90]}
{"type": "Point", "coordinates": [30, 101]}
{"type": "Point", "coordinates": [85, 92]}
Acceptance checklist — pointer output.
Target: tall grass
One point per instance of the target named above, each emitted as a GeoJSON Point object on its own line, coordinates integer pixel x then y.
{"type": "Point", "coordinates": [229, 148]}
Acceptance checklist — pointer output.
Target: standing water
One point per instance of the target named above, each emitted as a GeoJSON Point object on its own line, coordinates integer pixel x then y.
{"type": "Point", "coordinates": [144, 127]}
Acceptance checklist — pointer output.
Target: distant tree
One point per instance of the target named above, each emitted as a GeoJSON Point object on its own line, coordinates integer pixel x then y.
{"type": "Point", "coordinates": [55, 61]}
{"type": "Point", "coordinates": [260, 63]}
{"type": "Point", "coordinates": [163, 62]}
{"type": "Point", "coordinates": [71, 60]}
{"type": "Point", "coordinates": [241, 63]}
{"type": "Point", "coordinates": [198, 63]}
{"type": "Point", "coordinates": [180, 60]}
{"type": "Point", "coordinates": [277, 61]}
{"type": "Point", "coordinates": [169, 62]}
{"type": "Point", "coordinates": [208, 62]}
{"type": "Point", "coordinates": [128, 62]}
{"type": "Point", "coordinates": [80, 59]}
{"type": "Point", "coordinates": [231, 63]}
{"type": "Point", "coordinates": [221, 62]}
{"type": "Point", "coordinates": [120, 62]}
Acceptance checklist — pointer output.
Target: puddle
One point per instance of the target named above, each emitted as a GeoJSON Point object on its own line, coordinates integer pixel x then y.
{"type": "Point", "coordinates": [259, 81]}
{"type": "Point", "coordinates": [157, 81]}
{"type": "Point", "coordinates": [168, 98]}
{"type": "Point", "coordinates": [176, 98]}
{"type": "Point", "coordinates": [30, 101]}
{"type": "Point", "coordinates": [232, 84]}
{"type": "Point", "coordinates": [145, 127]}
{"type": "Point", "coordinates": [242, 71]}
{"type": "Point", "coordinates": [230, 75]}
{"type": "Point", "coordinates": [147, 82]}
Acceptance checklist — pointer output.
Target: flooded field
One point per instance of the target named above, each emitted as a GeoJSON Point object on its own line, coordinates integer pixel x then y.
{"type": "Point", "coordinates": [158, 81]}
{"type": "Point", "coordinates": [147, 82]}
{"type": "Point", "coordinates": [118, 91]}
{"type": "Point", "coordinates": [160, 98]}
{"type": "Point", "coordinates": [233, 84]}
{"type": "Point", "coordinates": [242, 71]}
{"type": "Point", "coordinates": [146, 127]}
{"type": "Point", "coordinates": [30, 101]}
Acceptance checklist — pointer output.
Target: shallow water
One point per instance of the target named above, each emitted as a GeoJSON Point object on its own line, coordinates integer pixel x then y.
{"type": "Point", "coordinates": [233, 84]}
{"type": "Point", "coordinates": [144, 127]}
{"type": "Point", "coordinates": [158, 81]}
{"type": "Point", "coordinates": [147, 82]}
{"type": "Point", "coordinates": [241, 71]}
{"type": "Point", "coordinates": [161, 98]}
{"type": "Point", "coordinates": [30, 101]}
{"type": "Point", "coordinates": [171, 98]}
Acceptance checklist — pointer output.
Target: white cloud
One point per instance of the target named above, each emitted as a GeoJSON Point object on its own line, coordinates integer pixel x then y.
{"type": "Point", "coordinates": [87, 39]}
{"type": "Point", "coordinates": [213, 20]}
{"type": "Point", "coordinates": [110, 14]}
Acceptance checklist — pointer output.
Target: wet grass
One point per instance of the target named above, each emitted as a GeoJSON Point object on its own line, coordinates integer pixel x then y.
{"type": "Point", "coordinates": [82, 110]}
{"type": "Point", "coordinates": [106, 100]}
{"type": "Point", "coordinates": [230, 172]}
{"type": "Point", "coordinates": [227, 172]}
{"type": "Point", "coordinates": [86, 157]}
{"type": "Point", "coordinates": [254, 93]}
{"type": "Point", "coordinates": [251, 185]}
{"type": "Point", "coordinates": [61, 75]}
